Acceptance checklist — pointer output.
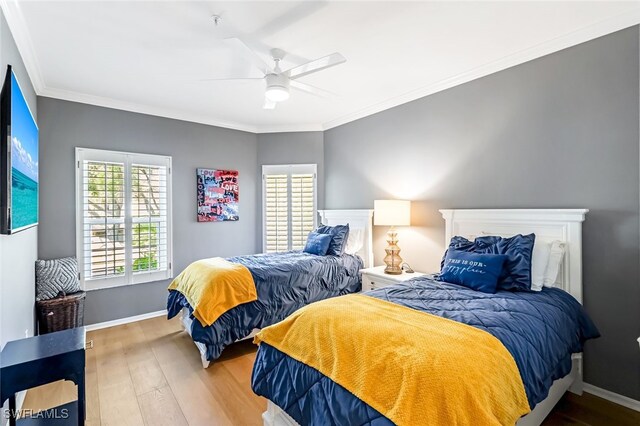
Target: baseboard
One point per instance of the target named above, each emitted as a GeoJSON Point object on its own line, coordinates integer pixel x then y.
{"type": "Point", "coordinates": [613, 397]}
{"type": "Point", "coordinates": [126, 320]}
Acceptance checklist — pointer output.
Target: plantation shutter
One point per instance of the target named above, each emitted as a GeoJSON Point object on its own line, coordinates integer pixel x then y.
{"type": "Point", "coordinates": [149, 241]}
{"type": "Point", "coordinates": [123, 221]}
{"type": "Point", "coordinates": [276, 210]}
{"type": "Point", "coordinates": [289, 206]}
{"type": "Point", "coordinates": [303, 210]}
{"type": "Point", "coordinates": [103, 215]}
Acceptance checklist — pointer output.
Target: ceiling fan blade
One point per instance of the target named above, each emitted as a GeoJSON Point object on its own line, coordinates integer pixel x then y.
{"type": "Point", "coordinates": [312, 89]}
{"type": "Point", "coordinates": [249, 54]}
{"type": "Point", "coordinates": [315, 66]}
{"type": "Point", "coordinates": [268, 104]}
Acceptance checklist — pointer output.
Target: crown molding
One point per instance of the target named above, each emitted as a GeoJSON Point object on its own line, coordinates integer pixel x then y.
{"type": "Point", "coordinates": [291, 128]}
{"type": "Point", "coordinates": [18, 28]}
{"type": "Point", "coordinates": [582, 35]}
{"type": "Point", "coordinates": [100, 101]}
{"type": "Point", "coordinates": [21, 36]}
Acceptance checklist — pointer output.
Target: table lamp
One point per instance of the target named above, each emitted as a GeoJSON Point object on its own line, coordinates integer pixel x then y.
{"type": "Point", "coordinates": [392, 213]}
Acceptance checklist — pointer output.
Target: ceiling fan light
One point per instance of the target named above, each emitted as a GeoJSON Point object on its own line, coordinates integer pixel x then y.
{"type": "Point", "coordinates": [277, 93]}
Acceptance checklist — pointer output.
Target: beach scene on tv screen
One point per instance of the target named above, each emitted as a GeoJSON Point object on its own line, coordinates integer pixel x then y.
{"type": "Point", "coordinates": [24, 161]}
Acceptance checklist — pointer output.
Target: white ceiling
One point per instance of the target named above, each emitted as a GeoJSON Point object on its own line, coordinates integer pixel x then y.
{"type": "Point", "coordinates": [149, 56]}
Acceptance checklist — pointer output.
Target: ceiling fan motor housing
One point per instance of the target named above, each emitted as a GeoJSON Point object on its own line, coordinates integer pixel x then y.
{"type": "Point", "coordinates": [277, 87]}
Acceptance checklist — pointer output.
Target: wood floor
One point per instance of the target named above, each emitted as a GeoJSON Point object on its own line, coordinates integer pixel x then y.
{"type": "Point", "coordinates": [149, 373]}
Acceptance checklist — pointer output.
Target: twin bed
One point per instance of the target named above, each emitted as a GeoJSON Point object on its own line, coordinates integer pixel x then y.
{"type": "Point", "coordinates": [284, 282]}
{"type": "Point", "coordinates": [543, 332]}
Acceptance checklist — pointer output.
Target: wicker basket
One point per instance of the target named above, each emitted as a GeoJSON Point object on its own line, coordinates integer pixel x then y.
{"type": "Point", "coordinates": [61, 313]}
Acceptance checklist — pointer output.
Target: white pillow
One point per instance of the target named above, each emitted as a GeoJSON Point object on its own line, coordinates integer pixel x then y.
{"type": "Point", "coordinates": [355, 241]}
{"type": "Point", "coordinates": [556, 256]}
{"type": "Point", "coordinates": [539, 262]}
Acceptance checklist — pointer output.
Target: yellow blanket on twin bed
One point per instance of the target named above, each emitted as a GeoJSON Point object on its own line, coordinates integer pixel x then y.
{"type": "Point", "coordinates": [413, 367]}
{"type": "Point", "coordinates": [214, 286]}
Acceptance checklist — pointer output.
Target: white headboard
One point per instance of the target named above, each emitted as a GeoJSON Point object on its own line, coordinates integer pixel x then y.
{"type": "Point", "coordinates": [359, 221]}
{"type": "Point", "coordinates": [548, 225]}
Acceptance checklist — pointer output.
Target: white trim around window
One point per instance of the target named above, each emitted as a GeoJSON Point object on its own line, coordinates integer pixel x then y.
{"type": "Point", "coordinates": [123, 218]}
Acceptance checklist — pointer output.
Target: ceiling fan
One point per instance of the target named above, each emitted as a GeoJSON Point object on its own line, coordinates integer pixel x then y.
{"type": "Point", "coordinates": [279, 82]}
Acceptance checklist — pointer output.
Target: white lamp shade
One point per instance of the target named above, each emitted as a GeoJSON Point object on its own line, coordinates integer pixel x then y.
{"type": "Point", "coordinates": [392, 212]}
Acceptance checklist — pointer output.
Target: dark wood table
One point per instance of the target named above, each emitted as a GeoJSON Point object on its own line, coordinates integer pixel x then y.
{"type": "Point", "coordinates": [39, 360]}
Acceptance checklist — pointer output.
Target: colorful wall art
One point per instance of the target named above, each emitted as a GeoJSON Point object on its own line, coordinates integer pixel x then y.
{"type": "Point", "coordinates": [217, 195]}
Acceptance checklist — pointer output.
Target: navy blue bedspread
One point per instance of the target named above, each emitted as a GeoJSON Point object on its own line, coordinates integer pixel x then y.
{"type": "Point", "coordinates": [540, 329]}
{"type": "Point", "coordinates": [285, 282]}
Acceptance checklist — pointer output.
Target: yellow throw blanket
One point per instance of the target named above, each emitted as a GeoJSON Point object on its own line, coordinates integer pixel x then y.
{"type": "Point", "coordinates": [414, 368]}
{"type": "Point", "coordinates": [213, 286]}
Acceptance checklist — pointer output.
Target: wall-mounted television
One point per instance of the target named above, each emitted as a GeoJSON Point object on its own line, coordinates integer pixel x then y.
{"type": "Point", "coordinates": [18, 159]}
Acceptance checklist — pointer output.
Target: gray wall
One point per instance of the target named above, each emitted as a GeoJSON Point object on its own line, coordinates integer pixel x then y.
{"type": "Point", "coordinates": [290, 148]}
{"type": "Point", "coordinates": [66, 125]}
{"type": "Point", "coordinates": [18, 252]}
{"type": "Point", "coordinates": [560, 131]}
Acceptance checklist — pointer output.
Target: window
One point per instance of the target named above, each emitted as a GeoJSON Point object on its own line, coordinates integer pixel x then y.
{"type": "Point", "coordinates": [123, 219]}
{"type": "Point", "coordinates": [289, 206]}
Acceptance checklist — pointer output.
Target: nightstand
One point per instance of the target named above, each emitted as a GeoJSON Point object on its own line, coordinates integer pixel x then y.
{"type": "Point", "coordinates": [375, 277]}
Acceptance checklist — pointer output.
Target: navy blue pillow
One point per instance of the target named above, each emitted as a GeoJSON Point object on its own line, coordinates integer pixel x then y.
{"type": "Point", "coordinates": [317, 243]}
{"type": "Point", "coordinates": [477, 271]}
{"type": "Point", "coordinates": [339, 236]}
{"type": "Point", "coordinates": [516, 272]}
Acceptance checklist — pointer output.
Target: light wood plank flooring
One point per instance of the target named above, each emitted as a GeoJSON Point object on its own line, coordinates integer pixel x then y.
{"type": "Point", "coordinates": [149, 373]}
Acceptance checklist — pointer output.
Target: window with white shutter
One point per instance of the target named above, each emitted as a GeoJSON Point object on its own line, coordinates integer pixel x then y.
{"type": "Point", "coordinates": [123, 223]}
{"type": "Point", "coordinates": [289, 206]}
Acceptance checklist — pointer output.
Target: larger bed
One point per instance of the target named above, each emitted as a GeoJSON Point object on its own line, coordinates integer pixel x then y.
{"type": "Point", "coordinates": [284, 282]}
{"type": "Point", "coordinates": [544, 331]}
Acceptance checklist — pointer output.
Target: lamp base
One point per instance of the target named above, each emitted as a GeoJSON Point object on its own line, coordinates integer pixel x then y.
{"type": "Point", "coordinates": [392, 259]}
{"type": "Point", "coordinates": [393, 270]}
